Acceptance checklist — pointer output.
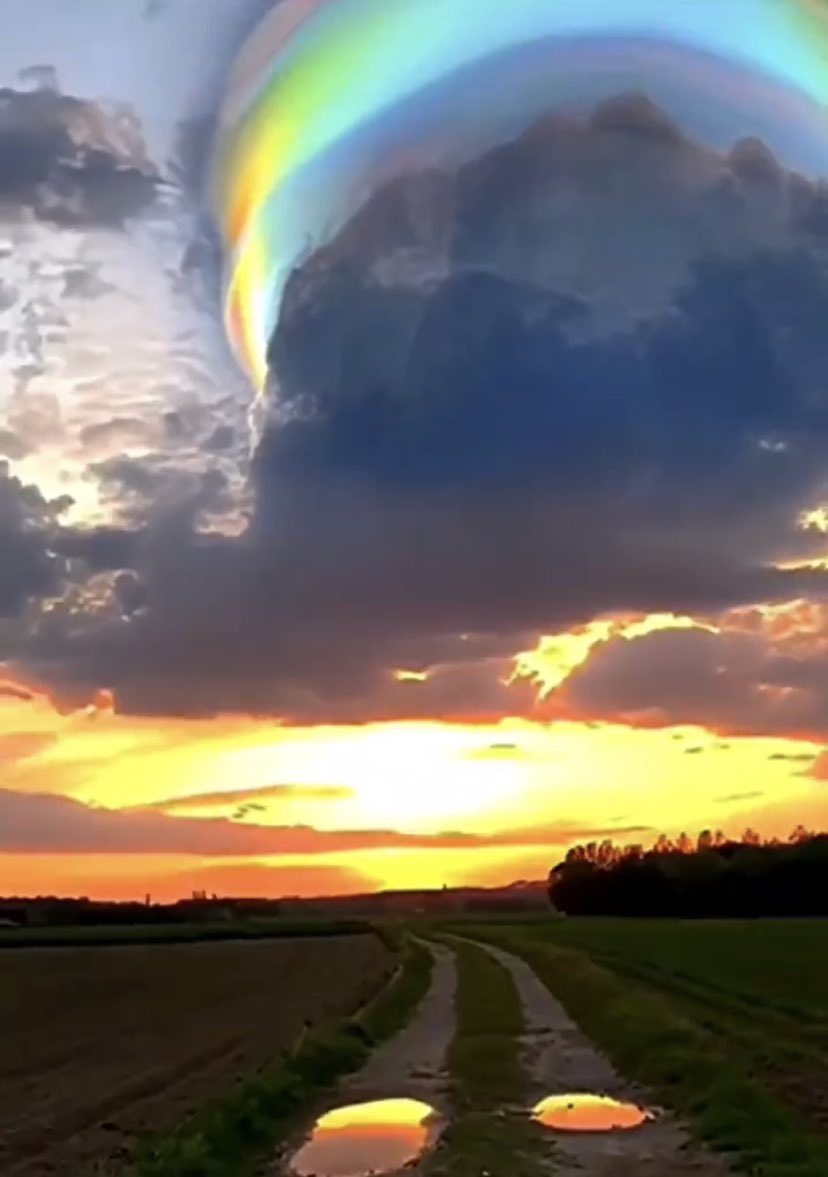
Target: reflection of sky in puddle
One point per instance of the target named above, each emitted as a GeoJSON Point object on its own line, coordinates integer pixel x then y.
{"type": "Point", "coordinates": [588, 1113]}
{"type": "Point", "coordinates": [366, 1138]}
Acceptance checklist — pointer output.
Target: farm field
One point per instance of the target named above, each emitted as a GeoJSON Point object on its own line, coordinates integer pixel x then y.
{"type": "Point", "coordinates": [699, 1008]}
{"type": "Point", "coordinates": [177, 933]}
{"type": "Point", "coordinates": [779, 964]}
{"type": "Point", "coordinates": [100, 1045]}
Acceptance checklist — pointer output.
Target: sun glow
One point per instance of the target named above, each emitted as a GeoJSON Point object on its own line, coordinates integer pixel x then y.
{"type": "Point", "coordinates": [520, 790]}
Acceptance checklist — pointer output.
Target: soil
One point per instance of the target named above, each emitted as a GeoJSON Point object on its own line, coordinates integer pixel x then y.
{"type": "Point", "coordinates": [101, 1045]}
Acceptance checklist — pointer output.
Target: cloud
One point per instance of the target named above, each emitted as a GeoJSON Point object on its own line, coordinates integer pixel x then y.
{"type": "Point", "coordinates": [480, 436]}
{"type": "Point", "coordinates": [39, 823]}
{"type": "Point", "coordinates": [793, 757]}
{"type": "Point", "coordinates": [70, 161]}
{"type": "Point", "coordinates": [110, 321]}
{"type": "Point", "coordinates": [730, 680]}
{"type": "Point", "coordinates": [11, 446]}
{"type": "Point", "coordinates": [16, 746]}
{"type": "Point", "coordinates": [28, 568]}
{"type": "Point", "coordinates": [749, 796]}
{"type": "Point", "coordinates": [819, 768]}
{"type": "Point", "coordinates": [219, 799]}
{"type": "Point", "coordinates": [13, 690]}
{"type": "Point", "coordinates": [256, 879]}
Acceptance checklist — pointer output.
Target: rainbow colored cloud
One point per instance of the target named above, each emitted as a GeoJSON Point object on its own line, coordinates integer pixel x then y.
{"type": "Point", "coordinates": [329, 98]}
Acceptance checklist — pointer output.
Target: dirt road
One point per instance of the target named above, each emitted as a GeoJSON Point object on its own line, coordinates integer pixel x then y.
{"type": "Point", "coordinates": [557, 1059]}
{"type": "Point", "coordinates": [411, 1065]}
{"type": "Point", "coordinates": [561, 1060]}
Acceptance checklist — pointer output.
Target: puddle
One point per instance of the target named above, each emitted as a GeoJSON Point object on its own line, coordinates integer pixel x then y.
{"type": "Point", "coordinates": [366, 1139]}
{"type": "Point", "coordinates": [589, 1113]}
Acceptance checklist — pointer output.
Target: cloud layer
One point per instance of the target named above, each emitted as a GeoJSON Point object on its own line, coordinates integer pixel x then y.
{"type": "Point", "coordinates": [490, 420]}
{"type": "Point", "coordinates": [32, 823]}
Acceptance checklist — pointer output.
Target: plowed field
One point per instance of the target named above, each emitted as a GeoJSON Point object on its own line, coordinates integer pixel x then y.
{"type": "Point", "coordinates": [101, 1045]}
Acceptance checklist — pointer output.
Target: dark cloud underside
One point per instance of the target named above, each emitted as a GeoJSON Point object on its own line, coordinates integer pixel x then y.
{"type": "Point", "coordinates": [501, 414]}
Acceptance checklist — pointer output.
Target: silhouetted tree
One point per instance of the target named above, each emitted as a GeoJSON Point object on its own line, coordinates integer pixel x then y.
{"type": "Point", "coordinates": [714, 876]}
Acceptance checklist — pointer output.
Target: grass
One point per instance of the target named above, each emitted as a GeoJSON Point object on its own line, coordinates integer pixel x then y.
{"type": "Point", "coordinates": [658, 1036]}
{"type": "Point", "coordinates": [489, 1133]}
{"type": "Point", "coordinates": [110, 936]}
{"type": "Point", "coordinates": [227, 1137]}
{"type": "Point", "coordinates": [759, 985]}
{"type": "Point", "coordinates": [779, 964]}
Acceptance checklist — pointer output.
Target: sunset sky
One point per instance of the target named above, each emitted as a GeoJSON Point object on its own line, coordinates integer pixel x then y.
{"type": "Point", "coordinates": [517, 547]}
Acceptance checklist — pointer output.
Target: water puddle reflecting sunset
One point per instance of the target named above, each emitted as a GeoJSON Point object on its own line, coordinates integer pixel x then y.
{"type": "Point", "coordinates": [588, 1113]}
{"type": "Point", "coordinates": [367, 1138]}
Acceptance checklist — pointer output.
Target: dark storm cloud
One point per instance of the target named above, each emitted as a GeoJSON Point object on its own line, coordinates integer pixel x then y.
{"type": "Point", "coordinates": [102, 549]}
{"type": "Point", "coordinates": [502, 413]}
{"type": "Point", "coordinates": [69, 161]}
{"type": "Point", "coordinates": [28, 568]}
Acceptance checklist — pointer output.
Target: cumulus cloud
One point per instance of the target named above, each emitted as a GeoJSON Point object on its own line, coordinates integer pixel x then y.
{"type": "Point", "coordinates": [482, 431]}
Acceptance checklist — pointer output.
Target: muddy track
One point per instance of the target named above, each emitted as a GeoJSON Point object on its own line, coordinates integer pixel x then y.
{"type": "Point", "coordinates": [561, 1060]}
{"type": "Point", "coordinates": [557, 1058]}
{"type": "Point", "coordinates": [410, 1065]}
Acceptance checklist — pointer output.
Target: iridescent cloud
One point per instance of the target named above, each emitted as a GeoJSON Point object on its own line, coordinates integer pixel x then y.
{"type": "Point", "coordinates": [329, 97]}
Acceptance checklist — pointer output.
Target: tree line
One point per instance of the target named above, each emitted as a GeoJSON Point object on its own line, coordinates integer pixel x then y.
{"type": "Point", "coordinates": [711, 875]}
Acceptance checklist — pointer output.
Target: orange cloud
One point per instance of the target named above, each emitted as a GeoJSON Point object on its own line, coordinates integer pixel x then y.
{"type": "Point", "coordinates": [168, 878]}
{"type": "Point", "coordinates": [36, 823]}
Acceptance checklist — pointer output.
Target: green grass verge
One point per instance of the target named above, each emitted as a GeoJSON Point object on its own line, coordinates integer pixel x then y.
{"type": "Point", "coordinates": [490, 1132]}
{"type": "Point", "coordinates": [779, 963]}
{"type": "Point", "coordinates": [484, 1056]}
{"type": "Point", "coordinates": [651, 1040]}
{"type": "Point", "coordinates": [106, 936]}
{"type": "Point", "coordinates": [226, 1138]}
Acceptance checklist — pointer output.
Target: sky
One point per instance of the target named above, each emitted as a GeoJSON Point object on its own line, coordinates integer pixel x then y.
{"type": "Point", "coordinates": [394, 492]}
